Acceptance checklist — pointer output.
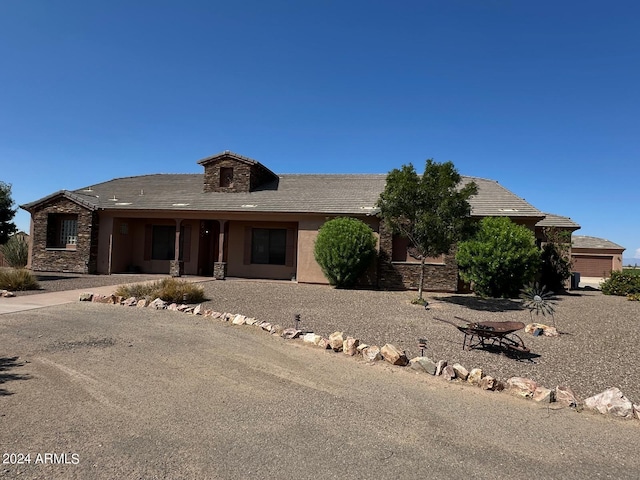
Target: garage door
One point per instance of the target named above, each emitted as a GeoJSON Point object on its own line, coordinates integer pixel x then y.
{"type": "Point", "coordinates": [592, 265]}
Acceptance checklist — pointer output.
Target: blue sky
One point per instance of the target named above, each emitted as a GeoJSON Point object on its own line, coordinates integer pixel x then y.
{"type": "Point", "coordinates": [543, 97]}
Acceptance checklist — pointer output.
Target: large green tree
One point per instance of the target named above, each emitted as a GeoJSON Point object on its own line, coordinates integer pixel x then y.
{"type": "Point", "coordinates": [500, 259]}
{"type": "Point", "coordinates": [432, 211]}
{"type": "Point", "coordinates": [7, 212]}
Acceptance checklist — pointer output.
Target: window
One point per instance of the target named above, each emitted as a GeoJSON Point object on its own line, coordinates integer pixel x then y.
{"type": "Point", "coordinates": [269, 246]}
{"type": "Point", "coordinates": [163, 242]}
{"type": "Point", "coordinates": [226, 176]}
{"type": "Point", "coordinates": [62, 231]}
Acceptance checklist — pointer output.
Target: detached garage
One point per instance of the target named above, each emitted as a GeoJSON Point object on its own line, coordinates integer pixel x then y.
{"type": "Point", "coordinates": [595, 257]}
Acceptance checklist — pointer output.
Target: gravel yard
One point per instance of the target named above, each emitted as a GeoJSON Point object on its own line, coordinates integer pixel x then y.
{"type": "Point", "coordinates": [598, 347]}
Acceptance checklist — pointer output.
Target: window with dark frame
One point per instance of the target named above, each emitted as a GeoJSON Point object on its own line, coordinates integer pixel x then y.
{"type": "Point", "coordinates": [269, 246]}
{"type": "Point", "coordinates": [62, 230]}
{"type": "Point", "coordinates": [226, 176]}
{"type": "Point", "coordinates": [163, 242]}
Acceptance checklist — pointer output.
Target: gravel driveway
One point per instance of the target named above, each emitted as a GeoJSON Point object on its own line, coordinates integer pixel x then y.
{"type": "Point", "coordinates": [598, 347]}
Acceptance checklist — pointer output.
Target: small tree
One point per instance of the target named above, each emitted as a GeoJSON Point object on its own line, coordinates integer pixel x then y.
{"type": "Point", "coordinates": [16, 251]}
{"type": "Point", "coordinates": [555, 268]}
{"type": "Point", "coordinates": [500, 259]}
{"type": "Point", "coordinates": [7, 212]}
{"type": "Point", "coordinates": [344, 249]}
{"type": "Point", "coordinates": [431, 211]}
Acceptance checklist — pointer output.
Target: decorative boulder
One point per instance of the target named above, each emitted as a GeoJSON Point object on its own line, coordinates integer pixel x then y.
{"type": "Point", "coordinates": [393, 355]}
{"type": "Point", "coordinates": [475, 376]}
{"type": "Point", "coordinates": [372, 353]}
{"type": "Point", "coordinates": [311, 338]}
{"type": "Point", "coordinates": [448, 373]}
{"type": "Point", "coordinates": [84, 297]}
{"type": "Point", "coordinates": [336, 339]}
{"type": "Point", "coordinates": [565, 396]}
{"type": "Point", "coordinates": [238, 320]}
{"type": "Point", "coordinates": [611, 402]}
{"type": "Point", "coordinates": [487, 383]}
{"type": "Point", "coordinates": [197, 309]}
{"type": "Point", "coordinates": [158, 304]}
{"type": "Point", "coordinates": [130, 302]}
{"type": "Point", "coordinates": [324, 343]}
{"type": "Point", "coordinates": [350, 346]}
{"type": "Point", "coordinates": [543, 395]}
{"type": "Point", "coordinates": [423, 364]}
{"type": "Point", "coordinates": [142, 303]}
{"type": "Point", "coordinates": [441, 364]}
{"type": "Point", "coordinates": [461, 372]}
{"type": "Point", "coordinates": [521, 387]}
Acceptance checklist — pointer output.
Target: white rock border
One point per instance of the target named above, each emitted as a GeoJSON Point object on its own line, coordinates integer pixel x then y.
{"type": "Point", "coordinates": [611, 402]}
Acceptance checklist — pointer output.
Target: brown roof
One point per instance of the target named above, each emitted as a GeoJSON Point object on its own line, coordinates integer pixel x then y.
{"type": "Point", "coordinates": [552, 220]}
{"type": "Point", "coordinates": [583, 241]}
{"type": "Point", "coordinates": [340, 194]}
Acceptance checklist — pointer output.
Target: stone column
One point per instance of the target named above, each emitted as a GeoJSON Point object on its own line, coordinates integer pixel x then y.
{"type": "Point", "coordinates": [177, 265]}
{"type": "Point", "coordinates": [220, 266]}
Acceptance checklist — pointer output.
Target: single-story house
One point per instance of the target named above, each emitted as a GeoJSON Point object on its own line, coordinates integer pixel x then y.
{"type": "Point", "coordinates": [236, 219]}
{"type": "Point", "coordinates": [595, 257]}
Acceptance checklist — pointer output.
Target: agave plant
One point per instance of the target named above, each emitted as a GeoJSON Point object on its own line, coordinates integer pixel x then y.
{"type": "Point", "coordinates": [537, 298]}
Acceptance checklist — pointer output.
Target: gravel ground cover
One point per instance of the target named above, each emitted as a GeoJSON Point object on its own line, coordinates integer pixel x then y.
{"type": "Point", "coordinates": [58, 282]}
{"type": "Point", "coordinates": [597, 348]}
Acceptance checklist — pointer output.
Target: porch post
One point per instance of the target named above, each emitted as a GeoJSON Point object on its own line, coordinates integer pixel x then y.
{"type": "Point", "coordinates": [177, 266]}
{"type": "Point", "coordinates": [220, 266]}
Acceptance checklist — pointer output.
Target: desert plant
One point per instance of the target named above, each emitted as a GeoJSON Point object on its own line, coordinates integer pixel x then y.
{"type": "Point", "coordinates": [536, 298]}
{"type": "Point", "coordinates": [555, 264]}
{"type": "Point", "coordinates": [621, 283]}
{"type": "Point", "coordinates": [634, 297]}
{"type": "Point", "coordinates": [167, 289]}
{"type": "Point", "coordinates": [500, 259]}
{"type": "Point", "coordinates": [344, 249]}
{"type": "Point", "coordinates": [17, 279]}
{"type": "Point", "coordinates": [16, 251]}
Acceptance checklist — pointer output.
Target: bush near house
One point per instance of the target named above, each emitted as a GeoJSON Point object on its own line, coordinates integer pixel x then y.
{"type": "Point", "coordinates": [621, 283]}
{"type": "Point", "coordinates": [168, 289]}
{"type": "Point", "coordinates": [15, 251]}
{"type": "Point", "coordinates": [344, 249]}
{"type": "Point", "coordinates": [500, 259]}
{"type": "Point", "coordinates": [17, 279]}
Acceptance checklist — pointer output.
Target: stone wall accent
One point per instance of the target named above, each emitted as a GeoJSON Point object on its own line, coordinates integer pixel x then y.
{"type": "Point", "coordinates": [81, 260]}
{"type": "Point", "coordinates": [220, 270]}
{"type": "Point", "coordinates": [176, 268]}
{"type": "Point", "coordinates": [405, 275]}
{"type": "Point", "coordinates": [241, 176]}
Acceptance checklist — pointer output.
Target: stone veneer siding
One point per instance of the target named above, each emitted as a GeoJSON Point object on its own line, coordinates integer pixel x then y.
{"type": "Point", "coordinates": [406, 275]}
{"type": "Point", "coordinates": [241, 176]}
{"type": "Point", "coordinates": [81, 260]}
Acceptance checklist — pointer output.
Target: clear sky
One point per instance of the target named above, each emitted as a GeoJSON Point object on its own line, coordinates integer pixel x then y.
{"type": "Point", "coordinates": [543, 97]}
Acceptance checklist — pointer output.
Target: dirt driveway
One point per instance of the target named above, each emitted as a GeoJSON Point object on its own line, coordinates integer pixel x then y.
{"type": "Point", "coordinates": [131, 393]}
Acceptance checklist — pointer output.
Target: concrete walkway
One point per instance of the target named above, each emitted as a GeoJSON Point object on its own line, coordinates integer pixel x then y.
{"type": "Point", "coordinates": [49, 299]}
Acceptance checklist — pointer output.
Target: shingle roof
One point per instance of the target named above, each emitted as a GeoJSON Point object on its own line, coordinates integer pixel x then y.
{"type": "Point", "coordinates": [553, 220]}
{"type": "Point", "coordinates": [583, 241]}
{"type": "Point", "coordinates": [354, 194]}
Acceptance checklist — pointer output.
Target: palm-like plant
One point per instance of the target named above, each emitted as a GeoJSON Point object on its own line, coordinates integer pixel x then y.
{"type": "Point", "coordinates": [537, 298]}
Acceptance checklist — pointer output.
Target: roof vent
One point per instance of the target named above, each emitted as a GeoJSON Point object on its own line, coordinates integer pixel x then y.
{"type": "Point", "coordinates": [508, 209]}
{"type": "Point", "coordinates": [180, 204]}
{"type": "Point", "coordinates": [123, 203]}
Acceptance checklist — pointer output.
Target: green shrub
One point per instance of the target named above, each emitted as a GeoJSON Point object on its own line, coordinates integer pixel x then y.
{"type": "Point", "coordinates": [168, 289]}
{"type": "Point", "coordinates": [555, 265]}
{"type": "Point", "coordinates": [16, 251]}
{"type": "Point", "coordinates": [344, 249]}
{"type": "Point", "coordinates": [17, 279]}
{"type": "Point", "coordinates": [500, 259]}
{"type": "Point", "coordinates": [621, 283]}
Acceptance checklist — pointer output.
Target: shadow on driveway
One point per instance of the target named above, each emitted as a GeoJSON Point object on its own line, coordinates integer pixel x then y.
{"type": "Point", "coordinates": [6, 365]}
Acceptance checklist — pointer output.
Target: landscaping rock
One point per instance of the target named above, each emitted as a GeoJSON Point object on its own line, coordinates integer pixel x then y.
{"type": "Point", "coordinates": [291, 333]}
{"type": "Point", "coordinates": [336, 339]}
{"type": "Point", "coordinates": [84, 297]}
{"type": "Point", "coordinates": [350, 346]}
{"type": "Point", "coordinates": [197, 310]}
{"type": "Point", "coordinates": [277, 330]}
{"type": "Point", "coordinates": [461, 372]}
{"type": "Point", "coordinates": [521, 387]}
{"type": "Point", "coordinates": [130, 302]}
{"type": "Point", "coordinates": [158, 304]}
{"type": "Point", "coordinates": [423, 364]}
{"type": "Point", "coordinates": [110, 299]}
{"type": "Point", "coordinates": [475, 376]}
{"type": "Point", "coordinates": [448, 373]}
{"type": "Point", "coordinates": [311, 338]}
{"type": "Point", "coordinates": [361, 347]}
{"type": "Point", "coordinates": [324, 343]}
{"type": "Point", "coordinates": [266, 326]}
{"type": "Point", "coordinates": [611, 402]}
{"type": "Point", "coordinates": [142, 303]}
{"type": "Point", "coordinates": [547, 331]}
{"type": "Point", "coordinates": [441, 364]}
{"type": "Point", "coordinates": [543, 395]}
{"type": "Point", "coordinates": [251, 321]}
{"type": "Point", "coordinates": [173, 307]}
{"type": "Point", "coordinates": [372, 353]}
{"type": "Point", "coordinates": [238, 320]}
{"type": "Point", "coordinates": [394, 355]}
{"type": "Point", "coordinates": [487, 383]}
{"type": "Point", "coordinates": [636, 411]}
{"type": "Point", "coordinates": [565, 396]}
